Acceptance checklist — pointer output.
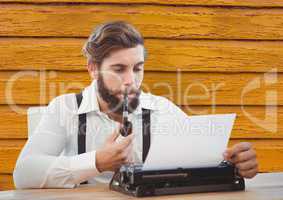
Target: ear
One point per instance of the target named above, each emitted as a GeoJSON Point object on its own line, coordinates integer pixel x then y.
{"type": "Point", "coordinates": [92, 70]}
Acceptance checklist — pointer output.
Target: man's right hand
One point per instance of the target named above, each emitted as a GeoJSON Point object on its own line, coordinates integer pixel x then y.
{"type": "Point", "coordinates": [114, 153]}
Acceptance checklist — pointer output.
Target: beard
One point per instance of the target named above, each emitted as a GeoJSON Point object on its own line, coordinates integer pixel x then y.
{"type": "Point", "coordinates": [115, 105]}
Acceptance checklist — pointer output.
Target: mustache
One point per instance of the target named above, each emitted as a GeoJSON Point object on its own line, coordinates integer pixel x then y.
{"type": "Point", "coordinates": [129, 91]}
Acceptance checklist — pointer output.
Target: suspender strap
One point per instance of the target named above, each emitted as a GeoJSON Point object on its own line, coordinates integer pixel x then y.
{"type": "Point", "coordinates": [145, 132]}
{"type": "Point", "coordinates": [81, 129]}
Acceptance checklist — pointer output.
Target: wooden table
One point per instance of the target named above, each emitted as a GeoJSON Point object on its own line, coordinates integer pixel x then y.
{"type": "Point", "coordinates": [266, 186]}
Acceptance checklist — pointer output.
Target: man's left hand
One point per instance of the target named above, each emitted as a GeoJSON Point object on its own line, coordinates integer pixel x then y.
{"type": "Point", "coordinates": [244, 158]}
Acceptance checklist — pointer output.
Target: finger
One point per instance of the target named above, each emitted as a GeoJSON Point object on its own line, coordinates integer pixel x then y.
{"type": "Point", "coordinates": [126, 155]}
{"type": "Point", "coordinates": [130, 156]}
{"type": "Point", "coordinates": [123, 157]}
{"type": "Point", "coordinates": [129, 148]}
{"type": "Point", "coordinates": [237, 148]}
{"type": "Point", "coordinates": [244, 156]}
{"type": "Point", "coordinates": [249, 173]}
{"type": "Point", "coordinates": [113, 136]}
{"type": "Point", "coordinates": [250, 164]}
{"type": "Point", "coordinates": [130, 159]}
{"type": "Point", "coordinates": [125, 142]}
{"type": "Point", "coordinates": [116, 167]}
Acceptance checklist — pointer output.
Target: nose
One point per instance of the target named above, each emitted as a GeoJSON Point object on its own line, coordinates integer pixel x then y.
{"type": "Point", "coordinates": [129, 78]}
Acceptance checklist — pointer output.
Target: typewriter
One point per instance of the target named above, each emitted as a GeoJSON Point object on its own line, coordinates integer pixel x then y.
{"type": "Point", "coordinates": [132, 180]}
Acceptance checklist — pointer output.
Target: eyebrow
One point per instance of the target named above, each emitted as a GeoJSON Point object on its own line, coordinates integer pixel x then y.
{"type": "Point", "coordinates": [123, 65]}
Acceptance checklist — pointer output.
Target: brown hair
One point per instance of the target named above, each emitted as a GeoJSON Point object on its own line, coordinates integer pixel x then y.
{"type": "Point", "coordinates": [109, 37]}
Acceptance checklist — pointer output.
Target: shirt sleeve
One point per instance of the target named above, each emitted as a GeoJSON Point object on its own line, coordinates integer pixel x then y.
{"type": "Point", "coordinates": [40, 163]}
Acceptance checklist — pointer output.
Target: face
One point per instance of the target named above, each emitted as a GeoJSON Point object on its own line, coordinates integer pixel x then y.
{"type": "Point", "coordinates": [123, 69]}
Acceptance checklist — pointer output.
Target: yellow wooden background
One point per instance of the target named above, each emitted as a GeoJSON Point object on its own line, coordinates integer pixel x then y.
{"type": "Point", "coordinates": [204, 44]}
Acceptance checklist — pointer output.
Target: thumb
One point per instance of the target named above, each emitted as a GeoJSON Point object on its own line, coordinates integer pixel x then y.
{"type": "Point", "coordinates": [234, 150]}
{"type": "Point", "coordinates": [228, 154]}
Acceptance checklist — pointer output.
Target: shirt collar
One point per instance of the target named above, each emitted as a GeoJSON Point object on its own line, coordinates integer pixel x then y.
{"type": "Point", "coordinates": [90, 103]}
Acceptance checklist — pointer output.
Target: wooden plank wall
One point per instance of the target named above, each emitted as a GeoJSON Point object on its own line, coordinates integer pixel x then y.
{"type": "Point", "coordinates": [210, 53]}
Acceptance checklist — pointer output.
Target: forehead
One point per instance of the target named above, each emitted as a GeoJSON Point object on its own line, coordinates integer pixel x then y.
{"type": "Point", "coordinates": [127, 56]}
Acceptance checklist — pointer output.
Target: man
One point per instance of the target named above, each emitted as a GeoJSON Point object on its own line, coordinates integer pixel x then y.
{"type": "Point", "coordinates": [115, 60]}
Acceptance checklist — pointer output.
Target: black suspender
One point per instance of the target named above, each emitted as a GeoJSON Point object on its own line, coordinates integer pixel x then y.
{"type": "Point", "coordinates": [145, 133]}
{"type": "Point", "coordinates": [82, 130]}
{"type": "Point", "coordinates": [82, 127]}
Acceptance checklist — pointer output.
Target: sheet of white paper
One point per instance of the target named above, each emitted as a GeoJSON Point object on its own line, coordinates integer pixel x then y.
{"type": "Point", "coordinates": [199, 142]}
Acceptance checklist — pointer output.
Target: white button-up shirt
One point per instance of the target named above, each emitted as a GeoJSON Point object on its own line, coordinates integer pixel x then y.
{"type": "Point", "coordinates": [49, 159]}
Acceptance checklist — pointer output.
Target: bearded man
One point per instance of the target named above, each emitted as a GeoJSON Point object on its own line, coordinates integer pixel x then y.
{"type": "Point", "coordinates": [63, 154]}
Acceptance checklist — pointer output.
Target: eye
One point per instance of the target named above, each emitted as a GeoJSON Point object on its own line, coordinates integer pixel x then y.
{"type": "Point", "coordinates": [118, 70]}
{"type": "Point", "coordinates": [137, 69]}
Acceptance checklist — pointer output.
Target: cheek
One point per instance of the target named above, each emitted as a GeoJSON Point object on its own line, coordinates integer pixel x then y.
{"type": "Point", "coordinates": [139, 79]}
{"type": "Point", "coordinates": [113, 82]}
{"type": "Point", "coordinates": [112, 79]}
{"type": "Point", "coordinates": [116, 79]}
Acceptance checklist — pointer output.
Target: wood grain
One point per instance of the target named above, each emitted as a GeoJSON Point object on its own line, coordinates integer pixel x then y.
{"type": "Point", "coordinates": [6, 182]}
{"type": "Point", "coordinates": [8, 158]}
{"type": "Point", "coordinates": [33, 87]}
{"type": "Point", "coordinates": [152, 21]}
{"type": "Point", "coordinates": [13, 123]}
{"type": "Point", "coordinates": [249, 3]}
{"type": "Point", "coordinates": [255, 123]}
{"type": "Point", "coordinates": [163, 55]}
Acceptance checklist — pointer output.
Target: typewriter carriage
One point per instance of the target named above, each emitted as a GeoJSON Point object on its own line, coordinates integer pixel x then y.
{"type": "Point", "coordinates": [132, 180]}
